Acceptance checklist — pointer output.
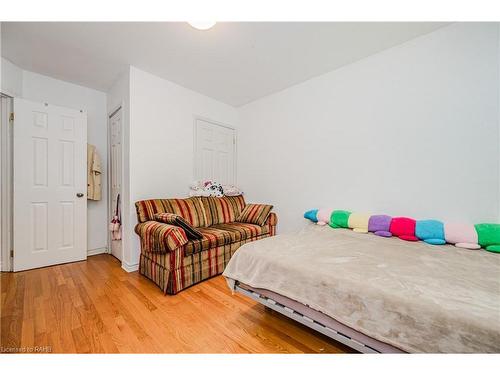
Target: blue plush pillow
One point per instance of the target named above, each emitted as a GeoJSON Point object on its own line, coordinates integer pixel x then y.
{"type": "Point", "coordinates": [430, 231]}
{"type": "Point", "coordinates": [312, 215]}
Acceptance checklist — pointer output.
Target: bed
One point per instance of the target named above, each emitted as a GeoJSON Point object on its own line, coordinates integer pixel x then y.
{"type": "Point", "coordinates": [376, 294]}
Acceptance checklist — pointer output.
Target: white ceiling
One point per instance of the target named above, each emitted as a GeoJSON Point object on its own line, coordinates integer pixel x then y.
{"type": "Point", "coordinates": [235, 63]}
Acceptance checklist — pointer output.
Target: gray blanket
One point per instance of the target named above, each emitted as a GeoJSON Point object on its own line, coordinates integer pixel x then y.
{"type": "Point", "coordinates": [417, 297]}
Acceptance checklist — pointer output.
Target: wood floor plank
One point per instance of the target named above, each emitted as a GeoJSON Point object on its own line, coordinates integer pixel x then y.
{"type": "Point", "coordinates": [12, 314]}
{"type": "Point", "coordinates": [94, 306]}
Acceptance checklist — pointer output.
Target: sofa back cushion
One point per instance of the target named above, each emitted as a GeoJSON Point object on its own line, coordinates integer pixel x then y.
{"type": "Point", "coordinates": [222, 210]}
{"type": "Point", "coordinates": [177, 220]}
{"type": "Point", "coordinates": [255, 214]}
{"type": "Point", "coordinates": [191, 209]}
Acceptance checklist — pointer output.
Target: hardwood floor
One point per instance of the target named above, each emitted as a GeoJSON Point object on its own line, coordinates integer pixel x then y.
{"type": "Point", "coordinates": [96, 307]}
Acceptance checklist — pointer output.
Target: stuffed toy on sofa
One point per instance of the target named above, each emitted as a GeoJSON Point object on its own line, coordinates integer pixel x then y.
{"type": "Point", "coordinates": [358, 222]}
{"type": "Point", "coordinates": [461, 235]}
{"type": "Point", "coordinates": [404, 228]}
{"type": "Point", "coordinates": [323, 216]}
{"type": "Point", "coordinates": [430, 231]}
{"type": "Point", "coordinates": [339, 219]}
{"type": "Point", "coordinates": [489, 236]}
{"type": "Point", "coordinates": [206, 188]}
{"type": "Point", "coordinates": [380, 225]}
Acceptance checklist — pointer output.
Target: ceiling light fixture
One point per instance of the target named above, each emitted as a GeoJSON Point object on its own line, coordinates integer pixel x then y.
{"type": "Point", "coordinates": [202, 25]}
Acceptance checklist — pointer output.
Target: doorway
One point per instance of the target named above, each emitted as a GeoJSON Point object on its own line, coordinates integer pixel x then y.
{"type": "Point", "coordinates": [115, 176]}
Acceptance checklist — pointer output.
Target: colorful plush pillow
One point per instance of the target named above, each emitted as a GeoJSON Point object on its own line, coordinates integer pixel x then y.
{"type": "Point", "coordinates": [430, 231]}
{"type": "Point", "coordinates": [324, 216]}
{"type": "Point", "coordinates": [433, 232]}
{"type": "Point", "coordinates": [358, 222]}
{"type": "Point", "coordinates": [177, 220]}
{"type": "Point", "coordinates": [312, 215]}
{"type": "Point", "coordinates": [404, 228]}
{"type": "Point", "coordinates": [489, 236]}
{"type": "Point", "coordinates": [340, 219]}
{"type": "Point", "coordinates": [255, 214]}
{"type": "Point", "coordinates": [461, 235]}
{"type": "Point", "coordinates": [380, 225]}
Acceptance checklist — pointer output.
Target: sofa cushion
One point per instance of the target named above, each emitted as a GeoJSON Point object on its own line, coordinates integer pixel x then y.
{"type": "Point", "coordinates": [212, 237]}
{"type": "Point", "coordinates": [191, 209]}
{"type": "Point", "coordinates": [222, 210]}
{"type": "Point", "coordinates": [224, 234]}
{"type": "Point", "coordinates": [255, 214]}
{"type": "Point", "coordinates": [174, 219]}
{"type": "Point", "coordinates": [160, 237]}
{"type": "Point", "coordinates": [243, 231]}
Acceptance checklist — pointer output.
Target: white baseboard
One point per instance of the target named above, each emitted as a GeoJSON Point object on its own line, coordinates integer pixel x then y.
{"type": "Point", "coordinates": [6, 265]}
{"type": "Point", "coordinates": [101, 250]}
{"type": "Point", "coordinates": [130, 267]}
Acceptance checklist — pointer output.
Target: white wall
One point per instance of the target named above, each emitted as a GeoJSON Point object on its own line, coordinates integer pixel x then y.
{"type": "Point", "coordinates": [412, 130]}
{"type": "Point", "coordinates": [161, 141]}
{"type": "Point", "coordinates": [12, 78]}
{"type": "Point", "coordinates": [498, 220]}
{"type": "Point", "coordinates": [45, 89]}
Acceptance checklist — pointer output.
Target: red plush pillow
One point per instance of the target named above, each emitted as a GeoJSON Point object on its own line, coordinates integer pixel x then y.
{"type": "Point", "coordinates": [404, 228]}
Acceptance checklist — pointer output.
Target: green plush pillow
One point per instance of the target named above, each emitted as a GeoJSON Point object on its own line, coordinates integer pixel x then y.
{"type": "Point", "coordinates": [339, 219]}
{"type": "Point", "coordinates": [488, 235]}
{"type": "Point", "coordinates": [493, 248]}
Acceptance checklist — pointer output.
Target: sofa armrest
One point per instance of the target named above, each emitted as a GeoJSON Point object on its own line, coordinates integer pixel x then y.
{"type": "Point", "coordinates": [272, 219]}
{"type": "Point", "coordinates": [159, 237]}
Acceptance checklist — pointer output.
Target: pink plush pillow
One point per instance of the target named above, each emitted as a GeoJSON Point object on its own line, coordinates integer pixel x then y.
{"type": "Point", "coordinates": [461, 235]}
{"type": "Point", "coordinates": [323, 215]}
{"type": "Point", "coordinates": [404, 228]}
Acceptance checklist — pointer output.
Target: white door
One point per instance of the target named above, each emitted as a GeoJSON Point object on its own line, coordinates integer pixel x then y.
{"type": "Point", "coordinates": [50, 185]}
{"type": "Point", "coordinates": [215, 152]}
{"type": "Point", "coordinates": [115, 146]}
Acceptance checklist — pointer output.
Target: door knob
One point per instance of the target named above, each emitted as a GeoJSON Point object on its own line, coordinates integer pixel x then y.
{"type": "Point", "coordinates": [79, 195]}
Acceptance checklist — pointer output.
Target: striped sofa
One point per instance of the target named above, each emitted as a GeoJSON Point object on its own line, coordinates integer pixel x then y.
{"type": "Point", "coordinates": [172, 260]}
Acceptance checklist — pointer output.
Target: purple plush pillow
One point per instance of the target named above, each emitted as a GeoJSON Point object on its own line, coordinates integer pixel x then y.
{"type": "Point", "coordinates": [380, 225]}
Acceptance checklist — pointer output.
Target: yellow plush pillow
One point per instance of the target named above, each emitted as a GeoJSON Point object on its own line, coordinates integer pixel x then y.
{"type": "Point", "coordinates": [358, 222]}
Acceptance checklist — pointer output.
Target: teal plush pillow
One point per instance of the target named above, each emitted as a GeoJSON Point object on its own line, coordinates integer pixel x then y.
{"type": "Point", "coordinates": [430, 231]}
{"type": "Point", "coordinates": [312, 215]}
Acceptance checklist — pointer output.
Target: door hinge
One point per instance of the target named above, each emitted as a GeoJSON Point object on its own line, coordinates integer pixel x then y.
{"type": "Point", "coordinates": [12, 253]}
{"type": "Point", "coordinates": [11, 117]}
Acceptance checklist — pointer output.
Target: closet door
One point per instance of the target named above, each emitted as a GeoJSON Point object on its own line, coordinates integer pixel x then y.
{"type": "Point", "coordinates": [215, 152]}
{"type": "Point", "coordinates": [50, 185]}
